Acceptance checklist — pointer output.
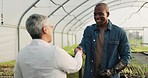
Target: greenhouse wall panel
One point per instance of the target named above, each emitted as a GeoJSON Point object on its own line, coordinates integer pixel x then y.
{"type": "Point", "coordinates": [8, 46]}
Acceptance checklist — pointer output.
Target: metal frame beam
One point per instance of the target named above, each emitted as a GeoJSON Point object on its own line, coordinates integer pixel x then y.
{"type": "Point", "coordinates": [20, 20]}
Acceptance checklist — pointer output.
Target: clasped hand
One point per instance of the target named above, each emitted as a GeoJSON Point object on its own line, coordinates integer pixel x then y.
{"type": "Point", "coordinates": [107, 72]}
{"type": "Point", "coordinates": [78, 49]}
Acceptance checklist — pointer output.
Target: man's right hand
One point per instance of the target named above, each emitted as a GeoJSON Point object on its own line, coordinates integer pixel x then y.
{"type": "Point", "coordinates": [78, 49]}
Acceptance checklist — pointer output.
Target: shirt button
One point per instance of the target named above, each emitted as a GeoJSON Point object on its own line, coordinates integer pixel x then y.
{"type": "Point", "coordinates": [91, 71]}
{"type": "Point", "coordinates": [94, 40]}
{"type": "Point", "coordinates": [92, 61]}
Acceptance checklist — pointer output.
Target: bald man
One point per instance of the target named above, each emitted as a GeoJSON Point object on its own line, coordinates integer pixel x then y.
{"type": "Point", "coordinates": [105, 45]}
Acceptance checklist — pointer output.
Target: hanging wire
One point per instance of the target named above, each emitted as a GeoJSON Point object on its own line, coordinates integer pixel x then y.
{"type": "Point", "coordinates": [135, 12]}
{"type": "Point", "coordinates": [128, 11]}
{"type": "Point", "coordinates": [138, 9]}
{"type": "Point", "coordinates": [64, 9]}
{"type": "Point", "coordinates": [59, 5]}
{"type": "Point", "coordinates": [44, 6]}
{"type": "Point", "coordinates": [2, 14]}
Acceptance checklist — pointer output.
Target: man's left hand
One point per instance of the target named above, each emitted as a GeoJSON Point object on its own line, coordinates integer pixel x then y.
{"type": "Point", "coordinates": [107, 72]}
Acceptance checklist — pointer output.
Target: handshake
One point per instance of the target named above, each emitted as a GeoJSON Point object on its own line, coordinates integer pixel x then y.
{"type": "Point", "coordinates": [78, 49]}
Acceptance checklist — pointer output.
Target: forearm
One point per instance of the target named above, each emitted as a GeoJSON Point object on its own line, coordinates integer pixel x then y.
{"type": "Point", "coordinates": [76, 65]}
{"type": "Point", "coordinates": [79, 60]}
{"type": "Point", "coordinates": [120, 66]}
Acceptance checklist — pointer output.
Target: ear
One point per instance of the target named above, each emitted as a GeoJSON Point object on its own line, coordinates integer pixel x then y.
{"type": "Point", "coordinates": [44, 30]}
{"type": "Point", "coordinates": [108, 14]}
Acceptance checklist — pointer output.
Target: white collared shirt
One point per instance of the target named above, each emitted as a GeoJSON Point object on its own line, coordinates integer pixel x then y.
{"type": "Point", "coordinates": [41, 60]}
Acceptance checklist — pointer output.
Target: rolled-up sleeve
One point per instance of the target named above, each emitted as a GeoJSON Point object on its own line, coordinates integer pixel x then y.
{"type": "Point", "coordinates": [124, 48]}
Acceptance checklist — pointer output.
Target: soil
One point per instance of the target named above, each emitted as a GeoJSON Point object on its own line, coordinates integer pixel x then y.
{"type": "Point", "coordinates": [140, 58]}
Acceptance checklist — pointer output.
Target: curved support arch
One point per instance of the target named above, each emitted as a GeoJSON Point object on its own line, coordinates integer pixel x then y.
{"type": "Point", "coordinates": [65, 17]}
{"type": "Point", "coordinates": [112, 8]}
{"type": "Point", "coordinates": [75, 18]}
{"type": "Point", "coordinates": [57, 8]}
{"type": "Point", "coordinates": [81, 24]}
{"type": "Point", "coordinates": [128, 2]}
{"type": "Point", "coordinates": [18, 27]}
{"type": "Point", "coordinates": [73, 25]}
{"type": "Point", "coordinates": [80, 28]}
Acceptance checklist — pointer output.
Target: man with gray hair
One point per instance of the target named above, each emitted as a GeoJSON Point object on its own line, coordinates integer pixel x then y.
{"type": "Point", "coordinates": [40, 59]}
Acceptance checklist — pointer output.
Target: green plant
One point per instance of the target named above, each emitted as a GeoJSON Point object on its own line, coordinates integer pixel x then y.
{"type": "Point", "coordinates": [133, 70]}
{"type": "Point", "coordinates": [135, 42]}
{"type": "Point", "coordinates": [6, 69]}
{"type": "Point", "coordinates": [70, 49]}
{"type": "Point", "coordinates": [139, 48]}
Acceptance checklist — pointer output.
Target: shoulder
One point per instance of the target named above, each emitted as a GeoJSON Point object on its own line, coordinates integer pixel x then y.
{"type": "Point", "coordinates": [89, 29]}
{"type": "Point", "coordinates": [117, 28]}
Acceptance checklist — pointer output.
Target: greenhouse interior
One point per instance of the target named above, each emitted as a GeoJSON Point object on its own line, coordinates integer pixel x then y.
{"type": "Point", "coordinates": [69, 19]}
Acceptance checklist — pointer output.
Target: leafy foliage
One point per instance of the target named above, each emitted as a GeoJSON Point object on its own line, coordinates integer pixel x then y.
{"type": "Point", "coordinates": [139, 49]}
{"type": "Point", "coordinates": [136, 45]}
{"type": "Point", "coordinates": [6, 69]}
{"type": "Point", "coordinates": [134, 69]}
{"type": "Point", "coordinates": [70, 49]}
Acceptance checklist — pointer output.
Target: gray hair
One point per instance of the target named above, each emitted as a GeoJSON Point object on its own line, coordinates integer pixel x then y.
{"type": "Point", "coordinates": [34, 25]}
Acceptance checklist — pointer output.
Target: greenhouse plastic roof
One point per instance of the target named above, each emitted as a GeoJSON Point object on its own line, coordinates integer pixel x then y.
{"type": "Point", "coordinates": [65, 15]}
{"type": "Point", "coordinates": [69, 18]}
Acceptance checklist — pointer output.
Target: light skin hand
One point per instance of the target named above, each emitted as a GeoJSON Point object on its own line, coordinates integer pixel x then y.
{"type": "Point", "coordinates": [78, 49]}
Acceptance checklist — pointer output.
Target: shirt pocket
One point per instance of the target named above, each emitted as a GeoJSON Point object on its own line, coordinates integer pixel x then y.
{"type": "Point", "coordinates": [113, 45]}
{"type": "Point", "coordinates": [113, 42]}
{"type": "Point", "coordinates": [88, 38]}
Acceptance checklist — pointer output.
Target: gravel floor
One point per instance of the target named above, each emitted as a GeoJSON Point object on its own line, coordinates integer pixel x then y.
{"type": "Point", "coordinates": [140, 58]}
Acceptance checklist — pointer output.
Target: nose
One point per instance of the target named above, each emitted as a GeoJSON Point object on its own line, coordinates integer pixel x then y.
{"type": "Point", "coordinates": [97, 16]}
